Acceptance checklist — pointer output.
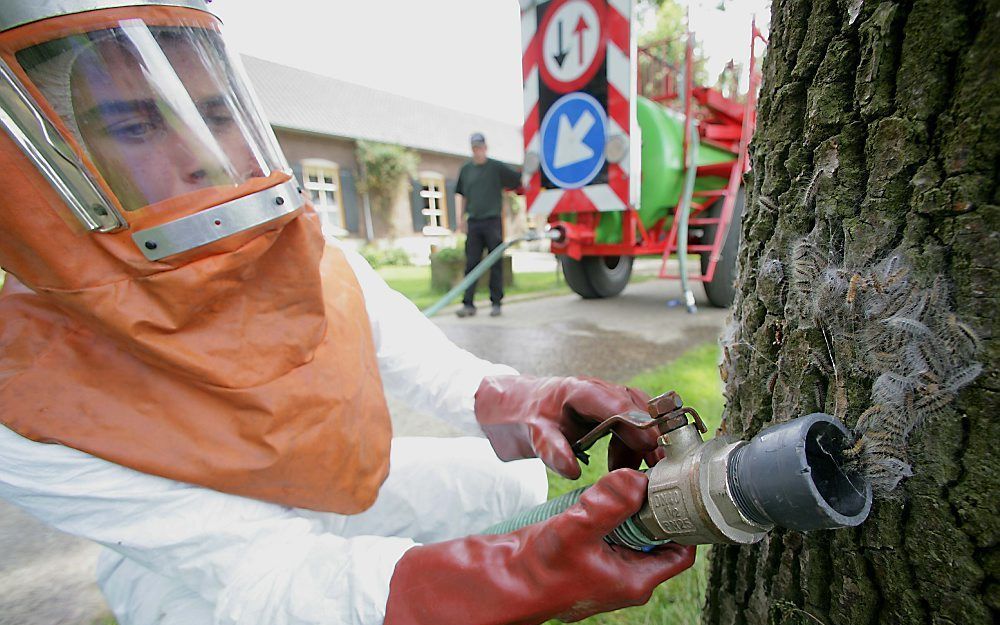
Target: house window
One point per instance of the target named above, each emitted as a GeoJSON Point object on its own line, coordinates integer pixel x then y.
{"type": "Point", "coordinates": [435, 203]}
{"type": "Point", "coordinates": [322, 182]}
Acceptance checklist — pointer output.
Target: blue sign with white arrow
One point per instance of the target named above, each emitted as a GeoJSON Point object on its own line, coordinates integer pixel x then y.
{"type": "Point", "coordinates": [573, 136]}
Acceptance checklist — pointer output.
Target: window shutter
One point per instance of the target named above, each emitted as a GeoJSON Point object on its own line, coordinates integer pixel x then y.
{"type": "Point", "coordinates": [449, 184]}
{"type": "Point", "coordinates": [417, 206]}
{"type": "Point", "coordinates": [349, 195]}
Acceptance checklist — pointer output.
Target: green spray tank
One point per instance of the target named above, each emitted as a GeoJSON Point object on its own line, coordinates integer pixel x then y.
{"type": "Point", "coordinates": [662, 175]}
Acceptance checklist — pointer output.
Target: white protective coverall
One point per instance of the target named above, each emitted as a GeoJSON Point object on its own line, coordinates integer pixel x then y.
{"type": "Point", "coordinates": [182, 554]}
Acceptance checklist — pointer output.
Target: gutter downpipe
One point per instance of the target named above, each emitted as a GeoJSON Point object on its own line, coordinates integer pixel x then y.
{"type": "Point", "coordinates": [367, 204]}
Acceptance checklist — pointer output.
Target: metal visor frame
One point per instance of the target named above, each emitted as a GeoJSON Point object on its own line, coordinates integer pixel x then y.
{"type": "Point", "coordinates": [49, 151]}
{"type": "Point", "coordinates": [14, 13]}
{"type": "Point", "coordinates": [219, 222]}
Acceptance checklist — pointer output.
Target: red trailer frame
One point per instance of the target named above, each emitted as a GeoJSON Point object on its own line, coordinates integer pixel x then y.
{"type": "Point", "coordinates": [722, 121]}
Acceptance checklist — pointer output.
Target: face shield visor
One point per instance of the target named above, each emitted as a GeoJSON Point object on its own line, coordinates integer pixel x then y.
{"type": "Point", "coordinates": [142, 120]}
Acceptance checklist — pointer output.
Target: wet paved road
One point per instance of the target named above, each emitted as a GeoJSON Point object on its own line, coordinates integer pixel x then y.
{"type": "Point", "coordinates": [611, 338]}
{"type": "Point", "coordinates": [46, 578]}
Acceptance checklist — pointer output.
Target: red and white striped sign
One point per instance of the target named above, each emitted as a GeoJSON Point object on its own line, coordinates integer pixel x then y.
{"type": "Point", "coordinates": [563, 58]}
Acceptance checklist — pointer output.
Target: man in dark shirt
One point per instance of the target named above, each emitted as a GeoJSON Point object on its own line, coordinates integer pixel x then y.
{"type": "Point", "coordinates": [480, 185]}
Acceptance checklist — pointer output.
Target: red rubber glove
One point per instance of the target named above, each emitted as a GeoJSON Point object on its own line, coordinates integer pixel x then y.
{"type": "Point", "coordinates": [526, 417]}
{"type": "Point", "coordinates": [560, 568]}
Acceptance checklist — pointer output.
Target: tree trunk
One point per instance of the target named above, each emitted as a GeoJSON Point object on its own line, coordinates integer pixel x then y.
{"type": "Point", "coordinates": [875, 178]}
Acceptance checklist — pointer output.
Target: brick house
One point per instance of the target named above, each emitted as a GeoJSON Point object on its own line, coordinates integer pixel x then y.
{"type": "Point", "coordinates": [319, 120]}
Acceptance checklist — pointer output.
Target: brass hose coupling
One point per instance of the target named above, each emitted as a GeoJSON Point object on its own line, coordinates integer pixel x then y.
{"type": "Point", "coordinates": [790, 475]}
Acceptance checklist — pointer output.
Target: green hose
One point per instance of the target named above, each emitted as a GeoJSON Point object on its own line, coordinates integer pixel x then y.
{"type": "Point", "coordinates": [484, 266]}
{"type": "Point", "coordinates": [538, 514]}
{"type": "Point", "coordinates": [684, 214]}
{"type": "Point", "coordinates": [628, 534]}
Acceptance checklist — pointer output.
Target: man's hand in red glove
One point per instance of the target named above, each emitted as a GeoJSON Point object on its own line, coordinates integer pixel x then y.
{"type": "Point", "coordinates": [560, 568]}
{"type": "Point", "coordinates": [526, 417]}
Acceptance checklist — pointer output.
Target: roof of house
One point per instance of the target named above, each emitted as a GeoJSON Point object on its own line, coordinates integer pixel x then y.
{"type": "Point", "coordinates": [294, 99]}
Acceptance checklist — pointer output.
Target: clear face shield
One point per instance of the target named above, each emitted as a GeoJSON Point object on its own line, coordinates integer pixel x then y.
{"type": "Point", "coordinates": [147, 121]}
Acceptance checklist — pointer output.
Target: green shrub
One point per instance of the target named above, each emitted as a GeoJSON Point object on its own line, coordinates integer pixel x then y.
{"type": "Point", "coordinates": [391, 257]}
{"type": "Point", "coordinates": [449, 255]}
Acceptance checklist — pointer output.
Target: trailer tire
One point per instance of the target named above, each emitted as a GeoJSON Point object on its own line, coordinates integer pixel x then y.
{"type": "Point", "coordinates": [721, 291]}
{"type": "Point", "coordinates": [576, 277]}
{"type": "Point", "coordinates": [608, 275]}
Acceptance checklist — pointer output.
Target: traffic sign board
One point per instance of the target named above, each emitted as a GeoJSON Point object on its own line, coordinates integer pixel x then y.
{"type": "Point", "coordinates": [573, 44]}
{"type": "Point", "coordinates": [578, 63]}
{"type": "Point", "coordinates": [573, 137]}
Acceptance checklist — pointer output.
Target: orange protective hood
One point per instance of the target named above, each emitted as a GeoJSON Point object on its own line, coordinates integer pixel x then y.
{"type": "Point", "coordinates": [248, 367]}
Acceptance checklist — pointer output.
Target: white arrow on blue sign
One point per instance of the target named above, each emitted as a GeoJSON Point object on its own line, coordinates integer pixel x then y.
{"type": "Point", "coordinates": [573, 135]}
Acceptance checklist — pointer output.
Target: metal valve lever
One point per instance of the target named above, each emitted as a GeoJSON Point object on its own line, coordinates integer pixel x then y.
{"type": "Point", "coordinates": [665, 412]}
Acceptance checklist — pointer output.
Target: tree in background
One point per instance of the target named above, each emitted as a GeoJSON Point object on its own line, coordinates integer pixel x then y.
{"type": "Point", "coordinates": [663, 19]}
{"type": "Point", "coordinates": [385, 168]}
{"type": "Point", "coordinates": [664, 23]}
{"type": "Point", "coordinates": [868, 289]}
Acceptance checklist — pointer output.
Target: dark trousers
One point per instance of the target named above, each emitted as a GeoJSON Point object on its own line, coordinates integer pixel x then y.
{"type": "Point", "coordinates": [484, 233]}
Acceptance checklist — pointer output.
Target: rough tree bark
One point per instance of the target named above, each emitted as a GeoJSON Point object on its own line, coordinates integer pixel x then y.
{"type": "Point", "coordinates": [878, 136]}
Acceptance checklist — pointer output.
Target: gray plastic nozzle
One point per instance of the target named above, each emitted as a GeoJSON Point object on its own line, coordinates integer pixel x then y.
{"type": "Point", "coordinates": [792, 475]}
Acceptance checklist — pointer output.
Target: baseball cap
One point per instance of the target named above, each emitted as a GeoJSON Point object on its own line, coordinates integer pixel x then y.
{"type": "Point", "coordinates": [477, 138]}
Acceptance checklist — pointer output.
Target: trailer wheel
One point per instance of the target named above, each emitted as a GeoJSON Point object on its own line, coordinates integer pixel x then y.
{"type": "Point", "coordinates": [596, 277]}
{"type": "Point", "coordinates": [576, 277]}
{"type": "Point", "coordinates": [608, 274]}
{"type": "Point", "coordinates": [721, 291]}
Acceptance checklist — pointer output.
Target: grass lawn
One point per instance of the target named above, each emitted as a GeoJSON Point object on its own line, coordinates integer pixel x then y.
{"type": "Point", "coordinates": [415, 284]}
{"type": "Point", "coordinates": [695, 377]}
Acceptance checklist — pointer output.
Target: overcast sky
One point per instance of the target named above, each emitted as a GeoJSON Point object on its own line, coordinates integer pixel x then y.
{"type": "Point", "coordinates": [462, 54]}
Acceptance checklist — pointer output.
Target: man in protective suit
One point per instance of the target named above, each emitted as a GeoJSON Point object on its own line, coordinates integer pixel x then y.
{"type": "Point", "coordinates": [192, 378]}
